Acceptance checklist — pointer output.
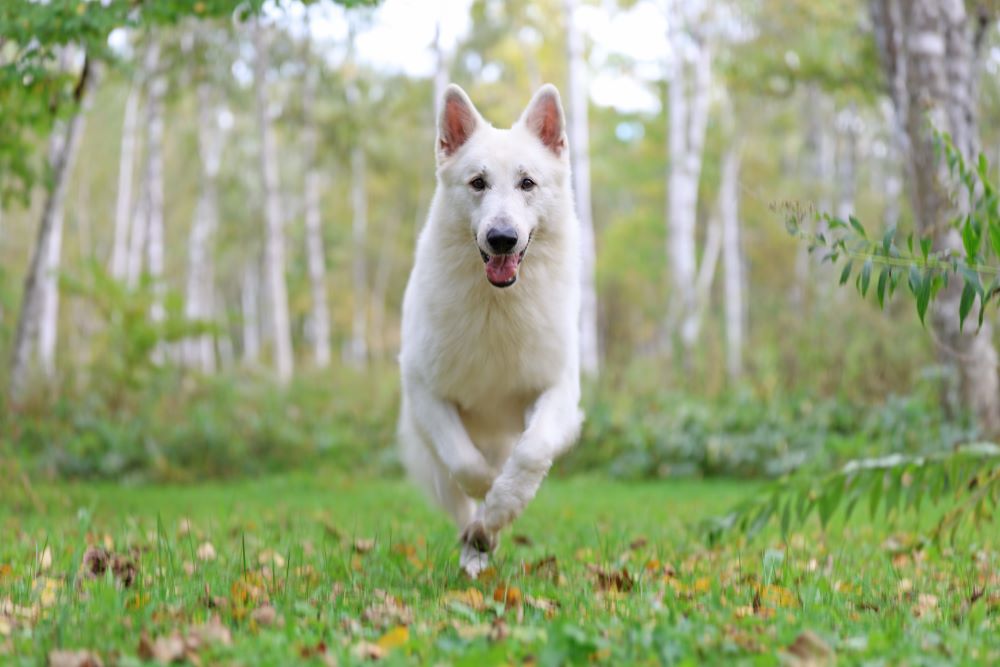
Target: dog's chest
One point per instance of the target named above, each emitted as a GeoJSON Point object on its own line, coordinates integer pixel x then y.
{"type": "Point", "coordinates": [497, 352]}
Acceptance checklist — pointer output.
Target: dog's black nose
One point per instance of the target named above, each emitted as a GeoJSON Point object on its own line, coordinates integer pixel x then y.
{"type": "Point", "coordinates": [502, 239]}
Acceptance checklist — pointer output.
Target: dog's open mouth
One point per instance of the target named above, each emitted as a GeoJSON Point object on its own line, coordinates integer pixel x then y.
{"type": "Point", "coordinates": [501, 270]}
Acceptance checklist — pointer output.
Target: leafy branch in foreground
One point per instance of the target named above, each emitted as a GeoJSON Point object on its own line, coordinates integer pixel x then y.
{"type": "Point", "coordinates": [892, 485]}
{"type": "Point", "coordinates": [889, 261]}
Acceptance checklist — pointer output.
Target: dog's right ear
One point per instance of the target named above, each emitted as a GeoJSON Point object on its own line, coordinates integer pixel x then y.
{"type": "Point", "coordinates": [456, 123]}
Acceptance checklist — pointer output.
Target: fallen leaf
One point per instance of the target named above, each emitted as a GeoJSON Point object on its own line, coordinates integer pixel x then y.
{"type": "Point", "coordinates": [470, 597]}
{"type": "Point", "coordinates": [6, 572]}
{"type": "Point", "coordinates": [521, 540]}
{"type": "Point", "coordinates": [60, 658]}
{"type": "Point", "coordinates": [926, 605]}
{"type": "Point", "coordinates": [214, 631]}
{"type": "Point", "coordinates": [498, 630]}
{"type": "Point", "coordinates": [510, 596]}
{"type": "Point", "coordinates": [184, 527]}
{"type": "Point", "coordinates": [638, 543]}
{"type": "Point", "coordinates": [394, 638]}
{"type": "Point", "coordinates": [548, 607]}
{"type": "Point", "coordinates": [45, 559]}
{"type": "Point", "coordinates": [368, 651]}
{"type": "Point", "coordinates": [612, 580]}
{"type": "Point", "coordinates": [808, 650]}
{"type": "Point", "coordinates": [47, 590]}
{"type": "Point", "coordinates": [269, 557]}
{"type": "Point", "coordinates": [320, 652]}
{"type": "Point", "coordinates": [205, 552]}
{"type": "Point", "coordinates": [264, 615]}
{"type": "Point", "coordinates": [389, 611]}
{"type": "Point", "coordinates": [165, 650]}
{"type": "Point", "coordinates": [363, 545]}
{"type": "Point", "coordinates": [777, 596]}
{"type": "Point", "coordinates": [544, 568]}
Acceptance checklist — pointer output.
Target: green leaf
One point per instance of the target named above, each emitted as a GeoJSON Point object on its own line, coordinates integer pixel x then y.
{"type": "Point", "coordinates": [965, 305]}
{"type": "Point", "coordinates": [924, 297]}
{"type": "Point", "coordinates": [883, 276]}
{"type": "Point", "coordinates": [866, 277]}
{"type": "Point", "coordinates": [857, 226]}
{"type": "Point", "coordinates": [846, 273]}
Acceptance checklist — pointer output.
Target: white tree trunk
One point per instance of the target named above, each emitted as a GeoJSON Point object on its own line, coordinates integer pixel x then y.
{"type": "Point", "coordinates": [357, 352]}
{"type": "Point", "coordinates": [929, 56]}
{"type": "Point", "coordinates": [39, 268]}
{"type": "Point", "coordinates": [688, 118]}
{"type": "Point", "coordinates": [154, 189]}
{"type": "Point", "coordinates": [315, 252]}
{"type": "Point", "coordinates": [139, 232]}
{"type": "Point", "coordinates": [732, 261]}
{"type": "Point", "coordinates": [250, 302]}
{"type": "Point", "coordinates": [126, 172]}
{"type": "Point", "coordinates": [847, 159]}
{"type": "Point", "coordinates": [579, 145]}
{"type": "Point", "coordinates": [274, 249]}
{"type": "Point", "coordinates": [199, 351]}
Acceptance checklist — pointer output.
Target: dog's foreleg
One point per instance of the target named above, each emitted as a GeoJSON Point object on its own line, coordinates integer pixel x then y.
{"type": "Point", "coordinates": [553, 426]}
{"type": "Point", "coordinates": [440, 424]}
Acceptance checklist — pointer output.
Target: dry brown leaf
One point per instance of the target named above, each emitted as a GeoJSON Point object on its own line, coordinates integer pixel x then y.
{"type": "Point", "coordinates": [521, 540]}
{"type": "Point", "coordinates": [926, 605]}
{"type": "Point", "coordinates": [214, 631]}
{"type": "Point", "coordinates": [470, 597]}
{"type": "Point", "coordinates": [808, 650]}
{"type": "Point", "coordinates": [498, 630]}
{"type": "Point", "coordinates": [548, 607]}
{"type": "Point", "coordinates": [368, 651]}
{"type": "Point", "coordinates": [638, 543]}
{"type": "Point", "coordinates": [165, 650]}
{"type": "Point", "coordinates": [320, 652]}
{"type": "Point", "coordinates": [544, 568]}
{"type": "Point", "coordinates": [363, 545]}
{"type": "Point", "coordinates": [387, 612]}
{"type": "Point", "coordinates": [205, 552]}
{"type": "Point", "coordinates": [45, 559]}
{"type": "Point", "coordinates": [60, 658]}
{"type": "Point", "coordinates": [612, 580]}
{"type": "Point", "coordinates": [510, 596]}
{"type": "Point", "coordinates": [264, 615]}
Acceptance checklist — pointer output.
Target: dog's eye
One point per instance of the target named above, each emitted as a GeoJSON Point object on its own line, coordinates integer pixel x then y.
{"type": "Point", "coordinates": [478, 184]}
{"type": "Point", "coordinates": [527, 184]}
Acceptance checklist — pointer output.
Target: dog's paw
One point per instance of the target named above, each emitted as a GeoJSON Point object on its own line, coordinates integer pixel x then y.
{"type": "Point", "coordinates": [476, 536]}
{"type": "Point", "coordinates": [473, 561]}
{"type": "Point", "coordinates": [475, 479]}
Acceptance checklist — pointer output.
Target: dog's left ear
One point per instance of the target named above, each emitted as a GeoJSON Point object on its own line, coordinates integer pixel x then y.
{"type": "Point", "coordinates": [544, 118]}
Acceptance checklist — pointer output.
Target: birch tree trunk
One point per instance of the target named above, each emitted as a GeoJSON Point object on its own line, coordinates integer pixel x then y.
{"type": "Point", "coordinates": [579, 145]}
{"type": "Point", "coordinates": [126, 171]}
{"type": "Point", "coordinates": [928, 52]}
{"type": "Point", "coordinates": [732, 261]}
{"type": "Point", "coordinates": [357, 351]}
{"type": "Point", "coordinates": [315, 253]}
{"type": "Point", "coordinates": [274, 248]}
{"type": "Point", "coordinates": [688, 117]}
{"type": "Point", "coordinates": [33, 302]}
{"type": "Point", "coordinates": [199, 351]}
{"type": "Point", "coordinates": [847, 159]}
{"type": "Point", "coordinates": [250, 302]}
{"type": "Point", "coordinates": [153, 188]}
{"type": "Point", "coordinates": [138, 236]}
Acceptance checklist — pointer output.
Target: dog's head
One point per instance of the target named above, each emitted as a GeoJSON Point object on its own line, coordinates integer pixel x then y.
{"type": "Point", "coordinates": [504, 183]}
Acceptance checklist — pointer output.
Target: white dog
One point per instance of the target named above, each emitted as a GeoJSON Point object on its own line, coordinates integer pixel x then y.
{"type": "Point", "coordinates": [489, 359]}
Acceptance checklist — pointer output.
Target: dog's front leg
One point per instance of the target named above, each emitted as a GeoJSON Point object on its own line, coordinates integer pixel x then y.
{"type": "Point", "coordinates": [552, 428]}
{"type": "Point", "coordinates": [440, 423]}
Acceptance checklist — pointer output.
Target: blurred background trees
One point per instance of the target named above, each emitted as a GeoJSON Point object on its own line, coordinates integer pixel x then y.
{"type": "Point", "coordinates": [209, 214]}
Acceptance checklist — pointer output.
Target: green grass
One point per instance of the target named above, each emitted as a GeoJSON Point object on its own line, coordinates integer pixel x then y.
{"type": "Point", "coordinates": [870, 593]}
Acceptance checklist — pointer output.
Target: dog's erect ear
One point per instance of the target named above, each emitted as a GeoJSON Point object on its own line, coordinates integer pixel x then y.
{"type": "Point", "coordinates": [544, 118]}
{"type": "Point", "coordinates": [457, 122]}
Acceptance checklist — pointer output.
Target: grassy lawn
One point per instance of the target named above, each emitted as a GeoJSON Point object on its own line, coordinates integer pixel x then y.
{"type": "Point", "coordinates": [335, 570]}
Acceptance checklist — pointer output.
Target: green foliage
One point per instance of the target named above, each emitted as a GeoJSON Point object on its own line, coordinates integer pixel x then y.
{"type": "Point", "coordinates": [667, 434]}
{"type": "Point", "coordinates": [925, 271]}
{"type": "Point", "coordinates": [888, 487]}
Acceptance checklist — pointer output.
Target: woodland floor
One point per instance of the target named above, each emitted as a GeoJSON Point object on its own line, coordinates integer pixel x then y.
{"type": "Point", "coordinates": [333, 570]}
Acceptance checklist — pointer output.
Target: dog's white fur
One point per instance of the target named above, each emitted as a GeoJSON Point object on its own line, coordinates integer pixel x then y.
{"type": "Point", "coordinates": [490, 376]}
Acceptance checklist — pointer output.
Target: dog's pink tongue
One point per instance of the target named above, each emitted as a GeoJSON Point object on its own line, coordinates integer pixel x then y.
{"type": "Point", "coordinates": [502, 268]}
